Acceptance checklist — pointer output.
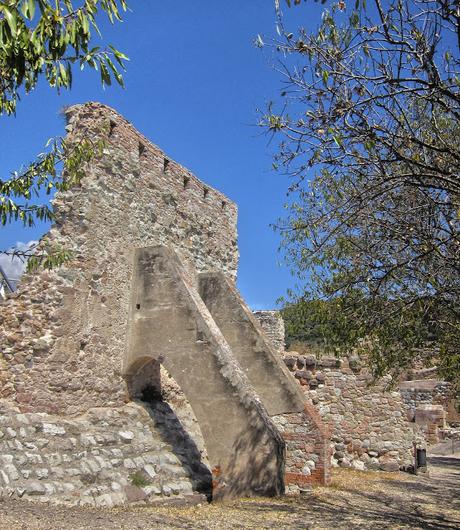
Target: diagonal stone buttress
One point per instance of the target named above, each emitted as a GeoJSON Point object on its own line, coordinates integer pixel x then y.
{"type": "Point", "coordinates": [307, 439]}
{"type": "Point", "coordinates": [169, 322]}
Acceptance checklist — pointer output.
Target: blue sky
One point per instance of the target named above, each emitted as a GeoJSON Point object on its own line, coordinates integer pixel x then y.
{"type": "Point", "coordinates": [193, 84]}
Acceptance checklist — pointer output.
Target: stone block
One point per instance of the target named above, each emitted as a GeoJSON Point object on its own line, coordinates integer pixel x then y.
{"type": "Point", "coordinates": [150, 470]}
{"type": "Point", "coordinates": [151, 490]}
{"type": "Point", "coordinates": [134, 493]}
{"type": "Point", "coordinates": [290, 361]}
{"type": "Point", "coordinates": [390, 465]}
{"type": "Point", "coordinates": [126, 436]}
{"type": "Point", "coordinates": [53, 430]}
{"type": "Point", "coordinates": [35, 488]}
{"type": "Point", "coordinates": [430, 414]}
{"type": "Point", "coordinates": [310, 360]}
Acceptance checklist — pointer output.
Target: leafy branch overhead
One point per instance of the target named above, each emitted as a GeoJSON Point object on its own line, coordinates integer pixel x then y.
{"type": "Point", "coordinates": [40, 38]}
{"type": "Point", "coordinates": [45, 174]}
{"type": "Point", "coordinates": [22, 196]}
{"type": "Point", "coordinates": [368, 124]}
{"type": "Point", "coordinates": [47, 39]}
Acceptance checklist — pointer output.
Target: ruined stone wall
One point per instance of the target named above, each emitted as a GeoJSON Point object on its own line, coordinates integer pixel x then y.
{"type": "Point", "coordinates": [170, 324]}
{"type": "Point", "coordinates": [84, 412]}
{"type": "Point", "coordinates": [306, 437]}
{"type": "Point", "coordinates": [423, 392]}
{"type": "Point", "coordinates": [272, 324]}
{"type": "Point", "coordinates": [105, 457]}
{"type": "Point", "coordinates": [370, 427]}
{"type": "Point", "coordinates": [63, 333]}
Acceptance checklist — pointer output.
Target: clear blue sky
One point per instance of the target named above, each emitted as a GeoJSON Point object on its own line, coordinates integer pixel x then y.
{"type": "Point", "coordinates": [193, 84]}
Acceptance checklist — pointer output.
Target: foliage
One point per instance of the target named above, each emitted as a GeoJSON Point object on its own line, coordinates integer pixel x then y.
{"type": "Point", "coordinates": [59, 169]}
{"type": "Point", "coordinates": [303, 325]}
{"type": "Point", "coordinates": [139, 479]}
{"type": "Point", "coordinates": [42, 174]}
{"type": "Point", "coordinates": [46, 39]}
{"type": "Point", "coordinates": [370, 125]}
{"type": "Point", "coordinates": [41, 38]}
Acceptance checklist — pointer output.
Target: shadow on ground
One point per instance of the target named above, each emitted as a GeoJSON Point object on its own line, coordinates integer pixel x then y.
{"type": "Point", "coordinates": [356, 500]}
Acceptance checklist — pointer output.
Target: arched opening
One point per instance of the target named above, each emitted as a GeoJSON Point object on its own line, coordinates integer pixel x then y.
{"type": "Point", "coordinates": [174, 422]}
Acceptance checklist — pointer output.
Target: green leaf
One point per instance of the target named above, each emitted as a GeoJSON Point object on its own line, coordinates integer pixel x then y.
{"type": "Point", "coordinates": [31, 9]}
{"type": "Point", "coordinates": [116, 74]}
{"type": "Point", "coordinates": [28, 9]}
{"type": "Point", "coordinates": [105, 75]}
{"type": "Point", "coordinates": [118, 54]}
{"type": "Point", "coordinates": [63, 74]}
{"type": "Point", "coordinates": [10, 17]}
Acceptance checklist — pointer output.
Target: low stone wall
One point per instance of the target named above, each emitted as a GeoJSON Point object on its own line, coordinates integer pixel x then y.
{"type": "Point", "coordinates": [308, 457]}
{"type": "Point", "coordinates": [370, 429]}
{"type": "Point", "coordinates": [105, 457]}
{"type": "Point", "coordinates": [422, 392]}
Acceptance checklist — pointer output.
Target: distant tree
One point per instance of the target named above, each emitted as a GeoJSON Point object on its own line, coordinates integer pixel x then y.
{"type": "Point", "coordinates": [369, 127]}
{"type": "Point", "coordinates": [42, 39]}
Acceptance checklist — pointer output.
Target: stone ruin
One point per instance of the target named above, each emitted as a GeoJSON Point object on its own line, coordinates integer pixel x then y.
{"type": "Point", "coordinates": [434, 406]}
{"type": "Point", "coordinates": [373, 425]}
{"type": "Point", "coordinates": [369, 423]}
{"type": "Point", "coordinates": [136, 371]}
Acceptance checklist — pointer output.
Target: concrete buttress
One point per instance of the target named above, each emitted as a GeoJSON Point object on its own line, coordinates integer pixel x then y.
{"type": "Point", "coordinates": [169, 322]}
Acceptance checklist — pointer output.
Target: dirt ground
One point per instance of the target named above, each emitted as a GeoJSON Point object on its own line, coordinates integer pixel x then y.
{"type": "Point", "coordinates": [355, 500]}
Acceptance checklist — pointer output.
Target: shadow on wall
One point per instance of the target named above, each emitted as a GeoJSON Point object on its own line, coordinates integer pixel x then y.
{"type": "Point", "coordinates": [253, 467]}
{"type": "Point", "coordinates": [146, 389]}
{"type": "Point", "coordinates": [261, 474]}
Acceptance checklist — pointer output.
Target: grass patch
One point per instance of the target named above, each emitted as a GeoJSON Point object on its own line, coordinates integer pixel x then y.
{"type": "Point", "coordinates": [139, 479]}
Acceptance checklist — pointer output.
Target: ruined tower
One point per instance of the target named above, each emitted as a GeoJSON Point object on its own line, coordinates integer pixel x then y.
{"type": "Point", "coordinates": [136, 371]}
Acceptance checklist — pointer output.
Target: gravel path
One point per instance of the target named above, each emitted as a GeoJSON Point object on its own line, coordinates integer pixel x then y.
{"type": "Point", "coordinates": [355, 500]}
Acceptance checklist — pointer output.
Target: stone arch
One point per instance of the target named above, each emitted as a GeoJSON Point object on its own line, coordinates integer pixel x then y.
{"type": "Point", "coordinates": [144, 372]}
{"type": "Point", "coordinates": [170, 324]}
{"type": "Point", "coordinates": [150, 385]}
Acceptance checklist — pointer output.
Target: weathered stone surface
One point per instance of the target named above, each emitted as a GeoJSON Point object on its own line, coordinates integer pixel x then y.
{"type": "Point", "coordinates": [134, 494]}
{"type": "Point", "coordinates": [68, 338]}
{"type": "Point", "coordinates": [170, 323]}
{"type": "Point", "coordinates": [370, 428]}
{"type": "Point", "coordinates": [420, 392]}
{"type": "Point", "coordinates": [63, 332]}
{"type": "Point", "coordinates": [389, 466]}
{"type": "Point", "coordinates": [272, 324]}
{"type": "Point", "coordinates": [300, 426]}
{"type": "Point", "coordinates": [91, 473]}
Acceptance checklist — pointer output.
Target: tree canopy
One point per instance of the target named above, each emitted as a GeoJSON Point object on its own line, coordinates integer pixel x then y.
{"type": "Point", "coordinates": [369, 125]}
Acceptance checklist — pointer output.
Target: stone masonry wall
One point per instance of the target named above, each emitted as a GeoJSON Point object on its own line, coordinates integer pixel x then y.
{"type": "Point", "coordinates": [421, 392]}
{"type": "Point", "coordinates": [272, 324]}
{"type": "Point", "coordinates": [170, 324]}
{"type": "Point", "coordinates": [74, 428]}
{"type": "Point", "coordinates": [370, 427]}
{"type": "Point", "coordinates": [63, 333]}
{"type": "Point", "coordinates": [307, 459]}
{"type": "Point", "coordinates": [105, 457]}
